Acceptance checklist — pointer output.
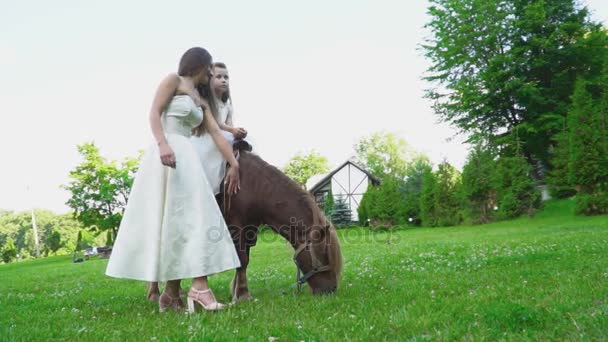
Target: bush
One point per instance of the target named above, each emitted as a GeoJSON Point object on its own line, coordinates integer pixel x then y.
{"type": "Point", "coordinates": [592, 204]}
{"type": "Point", "coordinates": [9, 251]}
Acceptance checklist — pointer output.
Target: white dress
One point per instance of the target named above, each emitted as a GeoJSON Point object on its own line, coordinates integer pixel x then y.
{"type": "Point", "coordinates": [210, 156]}
{"type": "Point", "coordinates": [172, 227]}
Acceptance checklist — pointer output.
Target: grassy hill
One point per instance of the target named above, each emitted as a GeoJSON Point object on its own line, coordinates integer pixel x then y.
{"type": "Point", "coordinates": [533, 278]}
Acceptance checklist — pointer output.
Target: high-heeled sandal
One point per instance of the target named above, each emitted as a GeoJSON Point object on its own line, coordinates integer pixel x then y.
{"type": "Point", "coordinates": [175, 303]}
{"type": "Point", "coordinates": [194, 299]}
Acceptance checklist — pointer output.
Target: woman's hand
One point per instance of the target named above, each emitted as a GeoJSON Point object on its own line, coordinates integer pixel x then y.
{"type": "Point", "coordinates": [167, 157]}
{"type": "Point", "coordinates": [233, 180]}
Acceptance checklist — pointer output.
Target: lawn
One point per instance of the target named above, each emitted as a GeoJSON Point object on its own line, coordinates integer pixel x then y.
{"type": "Point", "coordinates": [540, 278]}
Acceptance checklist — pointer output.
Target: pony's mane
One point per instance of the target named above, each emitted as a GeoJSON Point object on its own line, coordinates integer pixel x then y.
{"type": "Point", "coordinates": [282, 180]}
{"type": "Point", "coordinates": [306, 200]}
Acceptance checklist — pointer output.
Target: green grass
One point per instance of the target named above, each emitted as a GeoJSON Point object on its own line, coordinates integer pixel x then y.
{"type": "Point", "coordinates": [541, 278]}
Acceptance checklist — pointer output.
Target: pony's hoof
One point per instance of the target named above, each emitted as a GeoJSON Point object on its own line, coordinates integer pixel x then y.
{"type": "Point", "coordinates": [243, 298]}
{"type": "Point", "coordinates": [153, 297]}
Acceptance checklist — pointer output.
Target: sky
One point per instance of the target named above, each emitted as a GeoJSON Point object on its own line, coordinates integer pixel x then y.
{"type": "Point", "coordinates": [304, 75]}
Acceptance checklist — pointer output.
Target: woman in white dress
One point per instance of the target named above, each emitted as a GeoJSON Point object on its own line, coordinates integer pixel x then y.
{"type": "Point", "coordinates": [172, 227]}
{"type": "Point", "coordinates": [212, 159]}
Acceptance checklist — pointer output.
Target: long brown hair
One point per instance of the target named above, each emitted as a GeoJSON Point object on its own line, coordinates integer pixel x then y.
{"type": "Point", "coordinates": [192, 62]}
{"type": "Point", "coordinates": [206, 92]}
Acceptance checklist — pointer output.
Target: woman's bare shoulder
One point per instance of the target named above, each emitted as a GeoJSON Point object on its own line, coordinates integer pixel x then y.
{"type": "Point", "coordinates": [172, 79]}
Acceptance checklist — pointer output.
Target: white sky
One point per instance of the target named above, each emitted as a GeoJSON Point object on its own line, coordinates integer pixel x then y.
{"type": "Point", "coordinates": [314, 74]}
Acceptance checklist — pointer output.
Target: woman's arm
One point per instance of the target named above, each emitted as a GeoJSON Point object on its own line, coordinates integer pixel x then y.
{"type": "Point", "coordinates": [165, 91]}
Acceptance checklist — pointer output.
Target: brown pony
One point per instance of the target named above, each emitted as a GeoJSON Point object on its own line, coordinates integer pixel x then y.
{"type": "Point", "coordinates": [269, 197]}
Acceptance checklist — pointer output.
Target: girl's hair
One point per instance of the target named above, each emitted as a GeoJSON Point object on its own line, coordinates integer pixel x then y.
{"type": "Point", "coordinates": [192, 62]}
{"type": "Point", "coordinates": [226, 97]}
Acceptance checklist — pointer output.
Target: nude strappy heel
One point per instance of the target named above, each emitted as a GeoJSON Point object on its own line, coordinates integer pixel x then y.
{"type": "Point", "coordinates": [194, 299]}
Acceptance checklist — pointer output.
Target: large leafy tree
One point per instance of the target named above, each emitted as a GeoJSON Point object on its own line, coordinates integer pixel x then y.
{"type": "Point", "coordinates": [501, 65]}
{"type": "Point", "coordinates": [384, 155]}
{"type": "Point", "coordinates": [305, 165]}
{"type": "Point", "coordinates": [100, 189]}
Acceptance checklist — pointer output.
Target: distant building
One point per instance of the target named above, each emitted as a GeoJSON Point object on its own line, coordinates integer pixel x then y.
{"type": "Point", "coordinates": [348, 181]}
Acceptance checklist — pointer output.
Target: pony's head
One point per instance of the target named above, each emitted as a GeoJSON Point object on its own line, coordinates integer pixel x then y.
{"type": "Point", "coordinates": [318, 257]}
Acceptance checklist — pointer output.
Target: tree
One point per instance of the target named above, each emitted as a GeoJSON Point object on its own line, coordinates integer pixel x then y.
{"type": "Point", "coordinates": [384, 154]}
{"type": "Point", "coordinates": [54, 242]}
{"type": "Point", "coordinates": [428, 205]}
{"type": "Point", "coordinates": [389, 202]}
{"type": "Point", "coordinates": [516, 191]}
{"type": "Point", "coordinates": [109, 240]}
{"type": "Point", "coordinates": [446, 191]}
{"type": "Point", "coordinates": [304, 165]}
{"type": "Point", "coordinates": [501, 65]}
{"type": "Point", "coordinates": [557, 177]}
{"type": "Point", "coordinates": [79, 246]}
{"type": "Point", "coordinates": [342, 215]}
{"type": "Point", "coordinates": [477, 181]}
{"type": "Point", "coordinates": [366, 209]}
{"type": "Point", "coordinates": [411, 191]}
{"type": "Point", "coordinates": [9, 252]}
{"type": "Point", "coordinates": [328, 206]}
{"type": "Point", "coordinates": [588, 146]}
{"type": "Point", "coordinates": [100, 189]}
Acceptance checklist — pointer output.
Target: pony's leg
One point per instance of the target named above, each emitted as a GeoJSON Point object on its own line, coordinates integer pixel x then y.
{"type": "Point", "coordinates": [239, 287]}
{"type": "Point", "coordinates": [153, 291]}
